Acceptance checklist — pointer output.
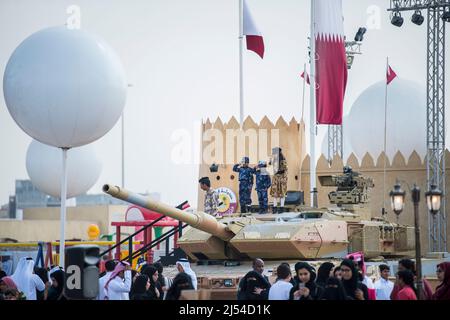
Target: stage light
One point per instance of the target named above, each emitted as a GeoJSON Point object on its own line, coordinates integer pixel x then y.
{"type": "Point", "coordinates": [397, 19]}
{"type": "Point", "coordinates": [417, 18]}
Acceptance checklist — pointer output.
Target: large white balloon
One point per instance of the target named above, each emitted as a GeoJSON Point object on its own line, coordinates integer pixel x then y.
{"type": "Point", "coordinates": [406, 120]}
{"type": "Point", "coordinates": [44, 167]}
{"type": "Point", "coordinates": [64, 87]}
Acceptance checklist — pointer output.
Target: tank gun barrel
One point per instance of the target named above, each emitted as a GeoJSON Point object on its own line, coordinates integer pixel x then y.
{"type": "Point", "coordinates": [198, 220]}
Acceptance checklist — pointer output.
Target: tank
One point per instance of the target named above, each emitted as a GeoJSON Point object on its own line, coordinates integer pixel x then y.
{"type": "Point", "coordinates": [309, 233]}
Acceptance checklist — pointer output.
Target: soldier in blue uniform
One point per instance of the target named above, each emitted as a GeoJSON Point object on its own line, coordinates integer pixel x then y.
{"type": "Point", "coordinates": [245, 183]}
{"type": "Point", "coordinates": [263, 183]}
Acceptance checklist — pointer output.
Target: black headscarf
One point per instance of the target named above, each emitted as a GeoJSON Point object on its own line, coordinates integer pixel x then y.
{"type": "Point", "coordinates": [314, 291]}
{"type": "Point", "coordinates": [54, 293]}
{"type": "Point", "coordinates": [140, 291]}
{"type": "Point", "coordinates": [334, 290]}
{"type": "Point", "coordinates": [181, 282]}
{"type": "Point", "coordinates": [323, 273]}
{"type": "Point", "coordinates": [353, 283]}
{"type": "Point", "coordinates": [248, 284]}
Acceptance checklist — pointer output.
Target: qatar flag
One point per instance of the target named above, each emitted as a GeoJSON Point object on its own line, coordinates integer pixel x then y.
{"type": "Point", "coordinates": [331, 61]}
{"type": "Point", "coordinates": [255, 41]}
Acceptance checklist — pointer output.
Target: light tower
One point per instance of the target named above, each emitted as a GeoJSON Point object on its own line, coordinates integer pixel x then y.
{"type": "Point", "coordinates": [438, 13]}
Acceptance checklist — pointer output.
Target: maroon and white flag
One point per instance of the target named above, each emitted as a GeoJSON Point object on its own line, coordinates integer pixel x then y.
{"type": "Point", "coordinates": [390, 75]}
{"type": "Point", "coordinates": [331, 61]}
{"type": "Point", "coordinates": [307, 76]}
{"type": "Point", "coordinates": [255, 41]}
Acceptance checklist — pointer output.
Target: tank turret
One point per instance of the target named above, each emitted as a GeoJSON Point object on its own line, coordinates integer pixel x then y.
{"type": "Point", "coordinates": [352, 188]}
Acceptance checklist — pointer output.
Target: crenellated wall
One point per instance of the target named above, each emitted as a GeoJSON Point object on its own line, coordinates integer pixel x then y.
{"type": "Point", "coordinates": [410, 170]}
{"type": "Point", "coordinates": [225, 144]}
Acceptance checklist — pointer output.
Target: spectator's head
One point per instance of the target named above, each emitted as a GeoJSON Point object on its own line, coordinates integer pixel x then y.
{"type": "Point", "coordinates": [2, 274]}
{"type": "Point", "coordinates": [110, 265]}
{"type": "Point", "coordinates": [205, 183]}
{"type": "Point", "coordinates": [6, 283]}
{"type": "Point", "coordinates": [334, 290]}
{"type": "Point", "coordinates": [407, 264]}
{"type": "Point", "coordinates": [348, 270]}
{"type": "Point", "coordinates": [258, 265]}
{"type": "Point", "coordinates": [443, 273]}
{"type": "Point", "coordinates": [152, 273]}
{"type": "Point", "coordinates": [57, 278]}
{"type": "Point", "coordinates": [284, 272]}
{"type": "Point", "coordinates": [141, 284]}
{"type": "Point", "coordinates": [337, 273]}
{"type": "Point", "coordinates": [405, 278]}
{"type": "Point", "coordinates": [181, 282]}
{"type": "Point", "coordinates": [384, 271]}
{"type": "Point", "coordinates": [324, 272]}
{"type": "Point", "coordinates": [42, 273]}
{"type": "Point", "coordinates": [12, 294]}
{"type": "Point", "coordinates": [305, 272]}
{"type": "Point", "coordinates": [159, 267]}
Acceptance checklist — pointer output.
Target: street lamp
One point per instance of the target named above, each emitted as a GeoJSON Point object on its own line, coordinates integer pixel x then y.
{"type": "Point", "coordinates": [434, 196]}
{"type": "Point", "coordinates": [398, 201]}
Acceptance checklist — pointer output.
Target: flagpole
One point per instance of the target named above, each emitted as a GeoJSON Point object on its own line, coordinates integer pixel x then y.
{"type": "Point", "coordinates": [312, 125]}
{"type": "Point", "coordinates": [241, 64]}
{"type": "Point", "coordinates": [303, 98]}
{"type": "Point", "coordinates": [385, 131]}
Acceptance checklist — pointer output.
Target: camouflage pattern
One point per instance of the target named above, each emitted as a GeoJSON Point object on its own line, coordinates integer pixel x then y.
{"type": "Point", "coordinates": [211, 202]}
{"type": "Point", "coordinates": [279, 182]}
{"type": "Point", "coordinates": [263, 183]}
{"type": "Point", "coordinates": [245, 185]}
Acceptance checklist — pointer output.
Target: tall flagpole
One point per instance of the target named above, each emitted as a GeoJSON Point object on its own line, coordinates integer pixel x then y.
{"type": "Point", "coordinates": [241, 65]}
{"type": "Point", "coordinates": [303, 98]}
{"type": "Point", "coordinates": [312, 125]}
{"type": "Point", "coordinates": [385, 130]}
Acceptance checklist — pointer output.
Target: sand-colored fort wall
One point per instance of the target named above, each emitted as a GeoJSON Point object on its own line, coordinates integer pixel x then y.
{"type": "Point", "coordinates": [410, 170]}
{"type": "Point", "coordinates": [226, 143]}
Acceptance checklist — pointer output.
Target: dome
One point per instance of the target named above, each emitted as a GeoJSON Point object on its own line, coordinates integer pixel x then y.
{"type": "Point", "coordinates": [406, 120]}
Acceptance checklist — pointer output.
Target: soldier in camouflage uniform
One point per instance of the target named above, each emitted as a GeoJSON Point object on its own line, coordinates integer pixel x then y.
{"type": "Point", "coordinates": [263, 183]}
{"type": "Point", "coordinates": [245, 183]}
{"type": "Point", "coordinates": [211, 198]}
{"type": "Point", "coordinates": [278, 189]}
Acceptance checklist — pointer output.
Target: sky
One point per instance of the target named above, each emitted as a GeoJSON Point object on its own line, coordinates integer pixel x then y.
{"type": "Point", "coordinates": [182, 61]}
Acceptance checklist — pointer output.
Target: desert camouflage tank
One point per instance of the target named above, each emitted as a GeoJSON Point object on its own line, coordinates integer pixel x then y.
{"type": "Point", "coordinates": [310, 233]}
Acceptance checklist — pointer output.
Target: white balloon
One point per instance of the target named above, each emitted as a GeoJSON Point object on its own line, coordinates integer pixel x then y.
{"type": "Point", "coordinates": [44, 167]}
{"type": "Point", "coordinates": [64, 87]}
{"type": "Point", "coordinates": [406, 120]}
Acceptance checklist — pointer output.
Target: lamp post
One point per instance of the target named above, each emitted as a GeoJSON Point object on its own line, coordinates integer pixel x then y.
{"type": "Point", "coordinates": [398, 201]}
{"type": "Point", "coordinates": [434, 196]}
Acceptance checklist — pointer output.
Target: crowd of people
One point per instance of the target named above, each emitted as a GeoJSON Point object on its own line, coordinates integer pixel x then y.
{"type": "Point", "coordinates": [346, 281]}
{"type": "Point", "coordinates": [117, 282]}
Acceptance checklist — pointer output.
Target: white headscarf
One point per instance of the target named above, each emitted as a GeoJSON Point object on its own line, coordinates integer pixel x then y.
{"type": "Point", "coordinates": [187, 269]}
{"type": "Point", "coordinates": [22, 277]}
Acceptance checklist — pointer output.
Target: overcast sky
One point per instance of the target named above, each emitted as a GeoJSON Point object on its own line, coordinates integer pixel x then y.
{"type": "Point", "coordinates": [182, 58]}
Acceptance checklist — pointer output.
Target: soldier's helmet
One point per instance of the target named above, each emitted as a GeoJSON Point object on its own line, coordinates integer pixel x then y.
{"type": "Point", "coordinates": [348, 169]}
{"type": "Point", "coordinates": [262, 164]}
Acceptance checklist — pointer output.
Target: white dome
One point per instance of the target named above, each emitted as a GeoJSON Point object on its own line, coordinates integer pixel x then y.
{"type": "Point", "coordinates": [406, 120]}
{"type": "Point", "coordinates": [44, 167]}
